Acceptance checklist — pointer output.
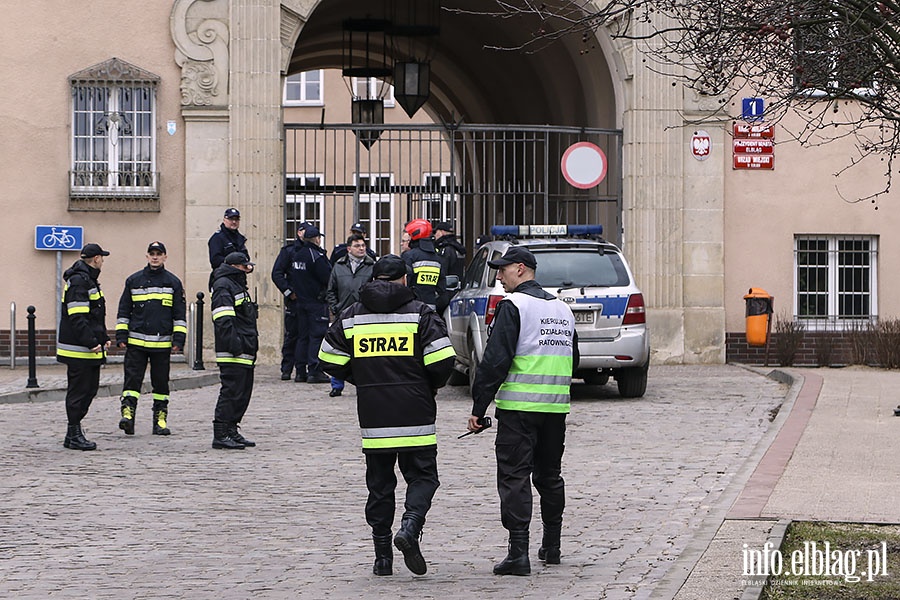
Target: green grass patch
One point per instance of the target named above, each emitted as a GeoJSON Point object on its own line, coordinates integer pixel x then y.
{"type": "Point", "coordinates": [823, 561]}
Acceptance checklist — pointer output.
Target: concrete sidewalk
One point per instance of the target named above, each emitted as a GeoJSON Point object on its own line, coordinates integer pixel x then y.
{"type": "Point", "coordinates": [832, 458]}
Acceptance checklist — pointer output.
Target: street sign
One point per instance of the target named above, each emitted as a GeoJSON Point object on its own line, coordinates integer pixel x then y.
{"type": "Point", "coordinates": [742, 130]}
{"type": "Point", "coordinates": [700, 145]}
{"type": "Point", "coordinates": [754, 147]}
{"type": "Point", "coordinates": [583, 165]}
{"type": "Point", "coordinates": [754, 161]}
{"type": "Point", "coordinates": [752, 109]}
{"type": "Point", "coordinates": [66, 238]}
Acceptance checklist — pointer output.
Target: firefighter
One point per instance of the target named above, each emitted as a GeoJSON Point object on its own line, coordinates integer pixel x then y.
{"type": "Point", "coordinates": [527, 369]}
{"type": "Point", "coordinates": [237, 341]}
{"type": "Point", "coordinates": [150, 325]}
{"type": "Point", "coordinates": [82, 341]}
{"type": "Point", "coordinates": [395, 350]}
{"type": "Point", "coordinates": [428, 270]}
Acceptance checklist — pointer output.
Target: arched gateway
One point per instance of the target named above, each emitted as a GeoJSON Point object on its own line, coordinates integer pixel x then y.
{"type": "Point", "coordinates": [233, 57]}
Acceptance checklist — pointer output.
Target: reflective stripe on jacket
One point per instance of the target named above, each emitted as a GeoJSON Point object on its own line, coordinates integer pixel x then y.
{"type": "Point", "coordinates": [152, 311]}
{"type": "Point", "coordinates": [82, 324]}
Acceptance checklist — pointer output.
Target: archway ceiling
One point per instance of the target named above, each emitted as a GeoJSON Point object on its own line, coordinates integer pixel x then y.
{"type": "Point", "coordinates": [468, 81]}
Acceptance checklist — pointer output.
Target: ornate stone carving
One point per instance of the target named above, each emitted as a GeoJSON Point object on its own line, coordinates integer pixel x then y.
{"type": "Point", "coordinates": [201, 42]}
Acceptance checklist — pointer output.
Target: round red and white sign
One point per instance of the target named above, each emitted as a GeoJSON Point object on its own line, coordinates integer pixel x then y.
{"type": "Point", "coordinates": [700, 145]}
{"type": "Point", "coordinates": [583, 165]}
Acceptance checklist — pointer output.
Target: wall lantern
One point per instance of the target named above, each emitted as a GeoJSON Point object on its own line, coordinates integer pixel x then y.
{"type": "Point", "coordinates": [365, 70]}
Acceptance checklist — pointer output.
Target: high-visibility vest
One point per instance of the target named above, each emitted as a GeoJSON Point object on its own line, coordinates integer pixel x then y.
{"type": "Point", "coordinates": [540, 376]}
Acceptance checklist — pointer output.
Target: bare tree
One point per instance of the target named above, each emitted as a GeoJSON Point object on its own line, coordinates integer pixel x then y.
{"type": "Point", "coordinates": [833, 63]}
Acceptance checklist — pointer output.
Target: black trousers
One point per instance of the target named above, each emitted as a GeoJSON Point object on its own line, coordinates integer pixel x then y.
{"type": "Point", "coordinates": [530, 445]}
{"type": "Point", "coordinates": [83, 382]}
{"type": "Point", "coordinates": [312, 325]}
{"type": "Point", "coordinates": [419, 470]}
{"type": "Point", "coordinates": [234, 395]}
{"type": "Point", "coordinates": [289, 347]}
{"type": "Point", "coordinates": [136, 359]}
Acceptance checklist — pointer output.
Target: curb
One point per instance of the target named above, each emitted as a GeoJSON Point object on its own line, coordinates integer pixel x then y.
{"type": "Point", "coordinates": [106, 389]}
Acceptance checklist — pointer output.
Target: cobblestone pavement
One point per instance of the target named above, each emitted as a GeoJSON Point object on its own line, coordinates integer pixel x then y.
{"type": "Point", "coordinates": [153, 517]}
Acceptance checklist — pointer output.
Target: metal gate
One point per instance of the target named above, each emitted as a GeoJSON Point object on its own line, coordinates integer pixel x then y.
{"type": "Point", "coordinates": [473, 176]}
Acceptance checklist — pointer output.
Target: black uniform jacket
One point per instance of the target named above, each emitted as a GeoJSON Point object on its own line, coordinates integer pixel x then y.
{"type": "Point", "coordinates": [234, 317]}
{"type": "Point", "coordinates": [396, 382]}
{"type": "Point", "coordinates": [302, 268]}
{"type": "Point", "coordinates": [83, 322]}
{"type": "Point", "coordinates": [429, 287]}
{"type": "Point", "coordinates": [223, 242]}
{"type": "Point", "coordinates": [499, 354]}
{"type": "Point", "coordinates": [152, 311]}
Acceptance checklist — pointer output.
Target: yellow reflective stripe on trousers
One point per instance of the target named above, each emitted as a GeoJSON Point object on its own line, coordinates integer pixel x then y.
{"type": "Point", "coordinates": [400, 442]}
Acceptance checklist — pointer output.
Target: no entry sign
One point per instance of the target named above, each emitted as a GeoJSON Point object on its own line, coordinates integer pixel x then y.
{"type": "Point", "coordinates": [583, 165]}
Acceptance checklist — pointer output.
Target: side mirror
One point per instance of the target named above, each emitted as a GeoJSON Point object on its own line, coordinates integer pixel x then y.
{"type": "Point", "coordinates": [453, 283]}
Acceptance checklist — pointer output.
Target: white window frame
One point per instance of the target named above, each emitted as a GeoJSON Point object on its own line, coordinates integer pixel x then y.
{"type": "Point", "coordinates": [372, 87]}
{"type": "Point", "coordinates": [300, 80]}
{"type": "Point", "coordinates": [834, 269]}
{"type": "Point", "coordinates": [832, 52]}
{"type": "Point", "coordinates": [303, 202]}
{"type": "Point", "coordinates": [445, 206]}
{"type": "Point", "coordinates": [374, 202]}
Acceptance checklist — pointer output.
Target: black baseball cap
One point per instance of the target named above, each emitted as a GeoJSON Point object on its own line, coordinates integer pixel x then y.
{"type": "Point", "coordinates": [390, 267]}
{"type": "Point", "coordinates": [158, 246]}
{"type": "Point", "coordinates": [358, 227]}
{"type": "Point", "coordinates": [92, 250]}
{"type": "Point", "coordinates": [514, 254]}
{"type": "Point", "coordinates": [310, 231]}
{"type": "Point", "coordinates": [232, 213]}
{"type": "Point", "coordinates": [238, 258]}
{"type": "Point", "coordinates": [443, 226]}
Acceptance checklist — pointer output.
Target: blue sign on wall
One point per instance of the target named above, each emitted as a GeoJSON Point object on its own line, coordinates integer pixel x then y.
{"type": "Point", "coordinates": [752, 109]}
{"type": "Point", "coordinates": [58, 237]}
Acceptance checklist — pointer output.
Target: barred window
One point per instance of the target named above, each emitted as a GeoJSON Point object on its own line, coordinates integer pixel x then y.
{"type": "Point", "coordinates": [301, 205]}
{"type": "Point", "coordinates": [833, 56]}
{"type": "Point", "coordinates": [376, 210]}
{"type": "Point", "coordinates": [836, 279]}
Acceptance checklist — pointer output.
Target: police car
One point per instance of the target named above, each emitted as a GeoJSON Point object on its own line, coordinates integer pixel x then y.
{"type": "Point", "coordinates": [586, 272]}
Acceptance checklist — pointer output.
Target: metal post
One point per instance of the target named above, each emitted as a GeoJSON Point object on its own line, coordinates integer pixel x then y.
{"type": "Point", "coordinates": [32, 350]}
{"type": "Point", "coordinates": [198, 335]}
{"type": "Point", "coordinates": [12, 335]}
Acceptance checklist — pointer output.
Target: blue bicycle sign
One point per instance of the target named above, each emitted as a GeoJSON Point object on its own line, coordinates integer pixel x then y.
{"type": "Point", "coordinates": [58, 237]}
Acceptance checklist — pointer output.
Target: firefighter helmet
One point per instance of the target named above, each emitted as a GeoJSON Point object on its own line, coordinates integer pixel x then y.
{"type": "Point", "coordinates": [418, 229]}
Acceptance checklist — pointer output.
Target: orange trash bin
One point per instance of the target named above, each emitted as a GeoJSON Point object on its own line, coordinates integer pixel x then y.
{"type": "Point", "coordinates": [759, 311]}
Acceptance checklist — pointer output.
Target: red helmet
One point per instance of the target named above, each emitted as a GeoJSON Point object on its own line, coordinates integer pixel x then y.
{"type": "Point", "coordinates": [418, 229]}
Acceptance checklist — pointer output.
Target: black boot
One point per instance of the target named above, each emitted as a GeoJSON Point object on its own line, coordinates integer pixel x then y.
{"type": "Point", "coordinates": [516, 562]}
{"type": "Point", "coordinates": [236, 436]}
{"type": "Point", "coordinates": [75, 439]}
{"type": "Point", "coordinates": [129, 409]}
{"type": "Point", "coordinates": [407, 542]}
{"type": "Point", "coordinates": [160, 414]}
{"type": "Point", "coordinates": [384, 555]}
{"type": "Point", "coordinates": [222, 437]}
{"type": "Point", "coordinates": [549, 550]}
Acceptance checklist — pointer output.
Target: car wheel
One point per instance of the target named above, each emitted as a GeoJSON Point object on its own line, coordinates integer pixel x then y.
{"type": "Point", "coordinates": [473, 366]}
{"type": "Point", "coordinates": [632, 381]}
{"type": "Point", "coordinates": [595, 378]}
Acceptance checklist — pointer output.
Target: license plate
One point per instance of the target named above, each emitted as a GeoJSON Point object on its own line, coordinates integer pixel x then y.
{"type": "Point", "coordinates": [584, 316]}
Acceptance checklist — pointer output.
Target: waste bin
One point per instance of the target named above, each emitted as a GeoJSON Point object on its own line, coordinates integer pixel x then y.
{"type": "Point", "coordinates": [759, 311]}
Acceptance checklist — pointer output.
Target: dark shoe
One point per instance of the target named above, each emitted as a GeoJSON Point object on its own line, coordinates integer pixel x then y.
{"type": "Point", "coordinates": [222, 439]}
{"type": "Point", "coordinates": [300, 378]}
{"type": "Point", "coordinates": [516, 561]}
{"type": "Point", "coordinates": [335, 392]}
{"type": "Point", "coordinates": [236, 436]}
{"type": "Point", "coordinates": [384, 555]}
{"type": "Point", "coordinates": [129, 409]}
{"type": "Point", "coordinates": [407, 542]}
{"type": "Point", "coordinates": [75, 439]}
{"type": "Point", "coordinates": [318, 378]}
{"type": "Point", "coordinates": [549, 550]}
{"type": "Point", "coordinates": [285, 376]}
{"type": "Point", "coordinates": [160, 414]}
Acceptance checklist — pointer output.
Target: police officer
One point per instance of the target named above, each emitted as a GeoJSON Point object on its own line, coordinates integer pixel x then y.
{"type": "Point", "coordinates": [450, 249]}
{"type": "Point", "coordinates": [527, 370]}
{"type": "Point", "coordinates": [225, 240]}
{"type": "Point", "coordinates": [340, 250]}
{"type": "Point", "coordinates": [82, 341]}
{"type": "Point", "coordinates": [395, 350]}
{"type": "Point", "coordinates": [428, 271]}
{"type": "Point", "coordinates": [237, 341]}
{"type": "Point", "coordinates": [281, 271]}
{"type": "Point", "coordinates": [150, 325]}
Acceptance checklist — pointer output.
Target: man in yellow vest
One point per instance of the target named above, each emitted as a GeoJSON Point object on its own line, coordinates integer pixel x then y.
{"type": "Point", "coordinates": [527, 370]}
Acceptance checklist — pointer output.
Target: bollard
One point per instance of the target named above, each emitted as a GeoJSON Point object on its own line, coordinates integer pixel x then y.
{"type": "Point", "coordinates": [198, 335]}
{"type": "Point", "coordinates": [32, 350]}
{"type": "Point", "coordinates": [12, 335]}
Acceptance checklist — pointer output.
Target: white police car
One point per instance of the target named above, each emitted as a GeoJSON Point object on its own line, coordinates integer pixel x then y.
{"type": "Point", "coordinates": [589, 274]}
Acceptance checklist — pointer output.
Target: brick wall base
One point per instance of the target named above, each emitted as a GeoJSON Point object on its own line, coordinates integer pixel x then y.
{"type": "Point", "coordinates": [818, 349]}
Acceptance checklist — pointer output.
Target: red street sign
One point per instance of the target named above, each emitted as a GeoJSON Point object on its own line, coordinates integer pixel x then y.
{"type": "Point", "coordinates": [754, 147]}
{"type": "Point", "coordinates": [742, 130]}
{"type": "Point", "coordinates": [754, 161]}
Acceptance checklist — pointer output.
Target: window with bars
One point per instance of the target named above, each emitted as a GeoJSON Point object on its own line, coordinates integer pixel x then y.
{"type": "Point", "coordinates": [833, 56]}
{"type": "Point", "coordinates": [301, 205]}
{"type": "Point", "coordinates": [114, 133]}
{"type": "Point", "coordinates": [305, 89]}
{"type": "Point", "coordinates": [836, 279]}
{"type": "Point", "coordinates": [437, 202]}
{"type": "Point", "coordinates": [376, 211]}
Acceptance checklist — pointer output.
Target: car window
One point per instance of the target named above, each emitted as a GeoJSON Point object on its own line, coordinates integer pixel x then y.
{"type": "Point", "coordinates": [492, 273]}
{"type": "Point", "coordinates": [476, 269]}
{"type": "Point", "coordinates": [577, 267]}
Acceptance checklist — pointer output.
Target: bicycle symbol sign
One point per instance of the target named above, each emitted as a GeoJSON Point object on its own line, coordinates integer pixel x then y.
{"type": "Point", "coordinates": [58, 237]}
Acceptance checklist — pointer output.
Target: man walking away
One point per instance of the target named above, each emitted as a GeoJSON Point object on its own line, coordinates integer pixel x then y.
{"type": "Point", "coordinates": [150, 325]}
